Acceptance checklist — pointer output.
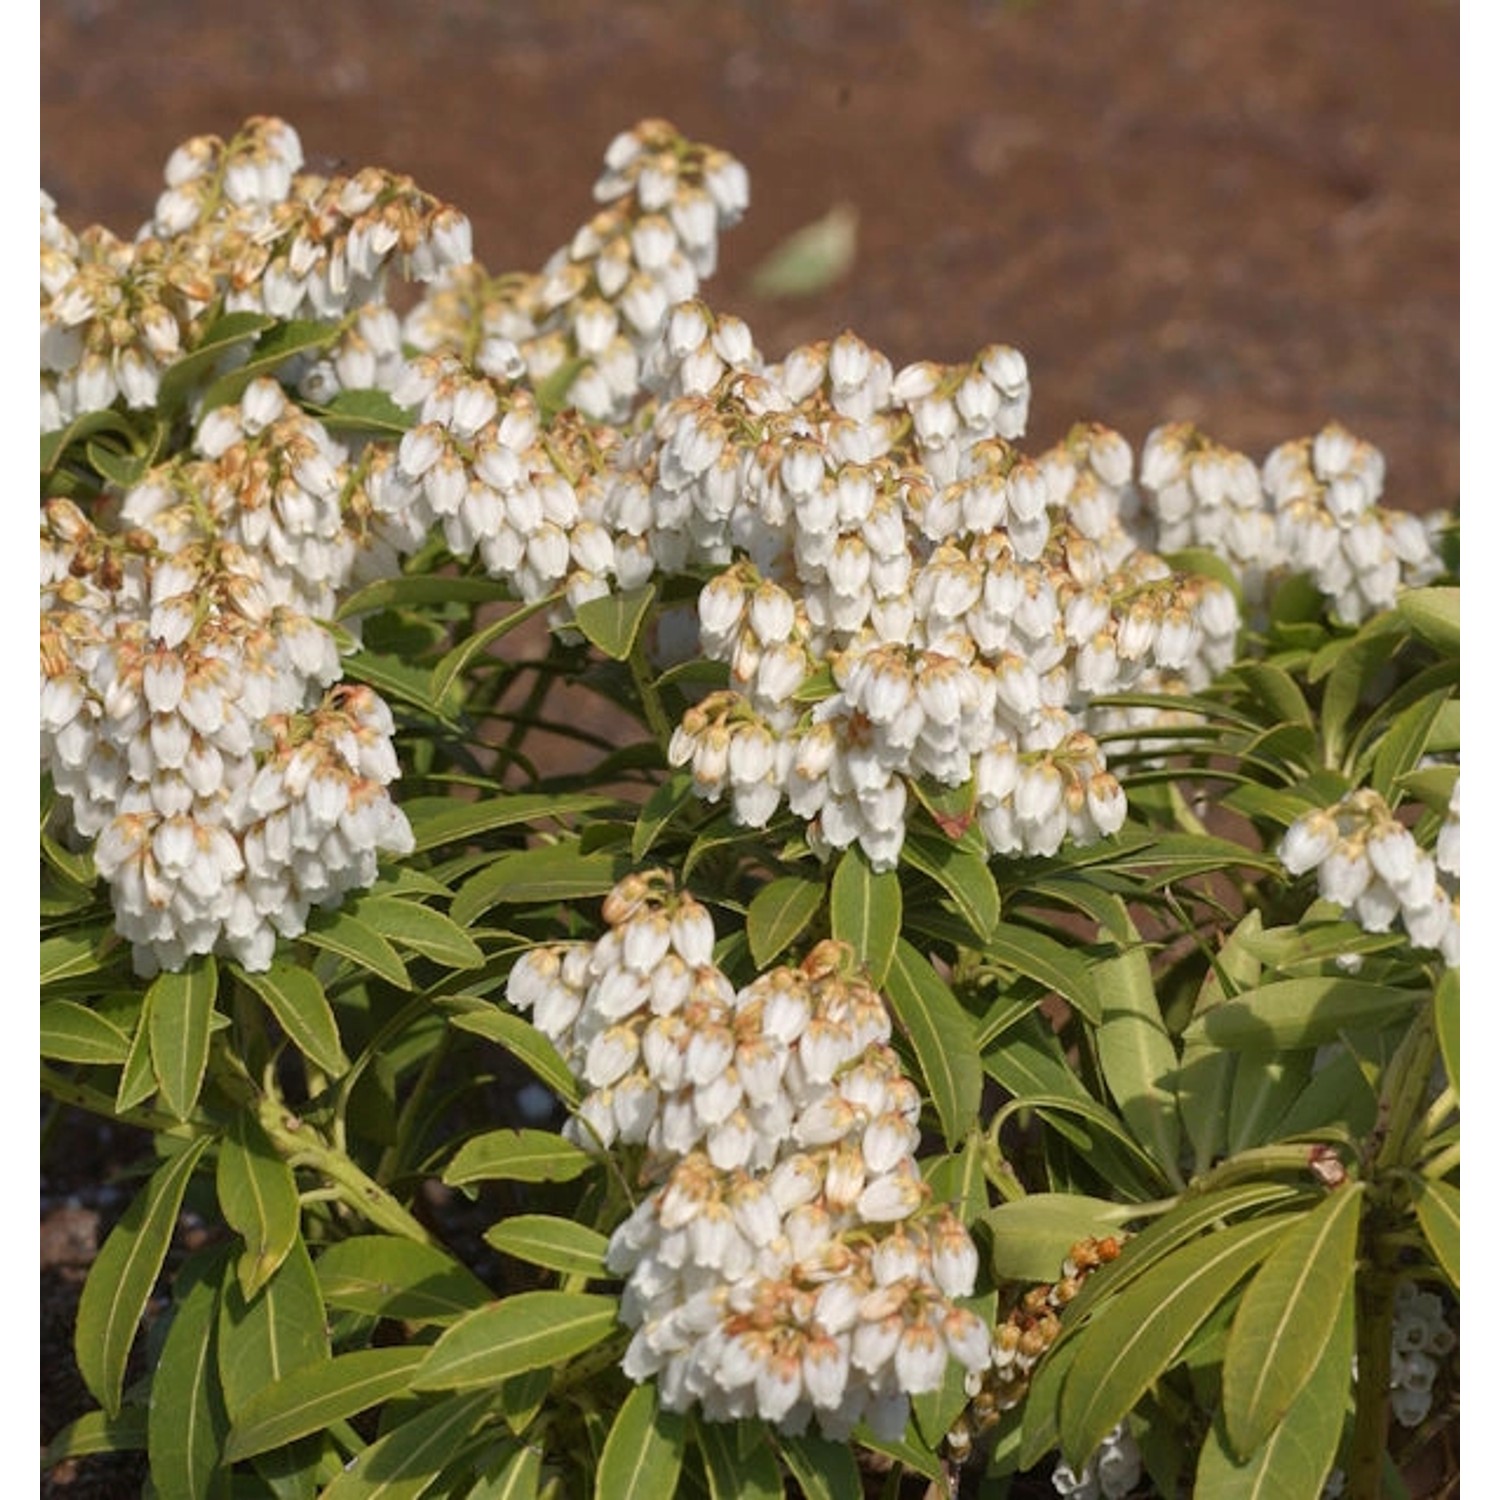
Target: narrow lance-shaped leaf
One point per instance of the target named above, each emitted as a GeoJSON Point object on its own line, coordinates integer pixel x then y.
{"type": "Point", "coordinates": [1046, 960]}
{"type": "Point", "coordinates": [1437, 1213]}
{"type": "Point", "coordinates": [525, 1332]}
{"type": "Point", "coordinates": [557, 1244]}
{"type": "Point", "coordinates": [295, 997]}
{"type": "Point", "coordinates": [517, 1156]}
{"type": "Point", "coordinates": [404, 1462]}
{"type": "Point", "coordinates": [264, 1338]}
{"type": "Point", "coordinates": [74, 1033]}
{"type": "Point", "coordinates": [343, 933]}
{"type": "Point", "coordinates": [188, 1422]}
{"type": "Point", "coordinates": [1031, 1236]}
{"type": "Point", "coordinates": [1286, 1317]}
{"type": "Point", "coordinates": [779, 913]}
{"type": "Point", "coordinates": [179, 1015]}
{"type": "Point", "coordinates": [642, 1455]}
{"type": "Point", "coordinates": [316, 1396]}
{"type": "Point", "coordinates": [1139, 1332]}
{"type": "Point", "coordinates": [737, 1459]}
{"type": "Point", "coordinates": [613, 621]}
{"type": "Point", "coordinates": [1445, 1017]}
{"type": "Point", "coordinates": [825, 1470]}
{"type": "Point", "coordinates": [258, 1195]}
{"type": "Point", "coordinates": [383, 1276]}
{"type": "Point", "coordinates": [409, 924]}
{"type": "Point", "coordinates": [865, 911]}
{"type": "Point", "coordinates": [1301, 1013]}
{"type": "Point", "coordinates": [942, 1037]}
{"type": "Point", "coordinates": [114, 1296]}
{"type": "Point", "coordinates": [1137, 1056]}
{"type": "Point", "coordinates": [1294, 1461]}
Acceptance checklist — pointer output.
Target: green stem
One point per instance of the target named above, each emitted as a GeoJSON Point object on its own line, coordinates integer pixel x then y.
{"type": "Point", "coordinates": [650, 699]}
{"type": "Point", "coordinates": [301, 1147]}
{"type": "Point", "coordinates": [1376, 1304]}
{"type": "Point", "coordinates": [67, 1091]}
{"type": "Point", "coordinates": [1252, 1165]}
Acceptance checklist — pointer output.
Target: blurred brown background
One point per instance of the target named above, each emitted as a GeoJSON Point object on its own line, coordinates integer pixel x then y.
{"type": "Point", "coordinates": [1241, 213]}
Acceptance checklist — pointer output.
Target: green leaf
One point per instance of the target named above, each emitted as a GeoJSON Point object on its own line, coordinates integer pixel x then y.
{"type": "Point", "coordinates": [1300, 1013]}
{"type": "Point", "coordinates": [1437, 1213]}
{"type": "Point", "coordinates": [1139, 1332]}
{"type": "Point", "coordinates": [738, 1460]}
{"type": "Point", "coordinates": [614, 621]}
{"type": "Point", "coordinates": [1277, 690]}
{"type": "Point", "coordinates": [179, 1011]}
{"type": "Point", "coordinates": [231, 329]}
{"type": "Point", "coordinates": [69, 955]}
{"type": "Point", "coordinates": [1404, 741]}
{"type": "Point", "coordinates": [1136, 1055]}
{"type": "Point", "coordinates": [383, 1276]}
{"type": "Point", "coordinates": [406, 1461]}
{"type": "Point", "coordinates": [258, 1196]}
{"type": "Point", "coordinates": [397, 681]}
{"type": "Point", "coordinates": [272, 350]}
{"type": "Point", "coordinates": [1266, 1084]}
{"type": "Point", "coordinates": [529, 1331]}
{"type": "Point", "coordinates": [121, 1279]}
{"type": "Point", "coordinates": [409, 924]}
{"type": "Point", "coordinates": [1349, 665]}
{"type": "Point", "coordinates": [865, 911]}
{"type": "Point", "coordinates": [295, 997]}
{"type": "Point", "coordinates": [942, 1037]}
{"type": "Point", "coordinates": [74, 1033]}
{"type": "Point", "coordinates": [1286, 1318]}
{"type": "Point", "coordinates": [1434, 614]}
{"type": "Point", "coordinates": [124, 471]}
{"type": "Point", "coordinates": [343, 933]}
{"type": "Point", "coordinates": [552, 872]}
{"type": "Point", "coordinates": [316, 1396]}
{"type": "Point", "coordinates": [137, 1081]}
{"type": "Point", "coordinates": [1294, 1461]}
{"type": "Point", "coordinates": [187, 1423]}
{"type": "Point", "coordinates": [1039, 1432]}
{"type": "Point", "coordinates": [779, 914]}
{"type": "Point", "coordinates": [518, 1478]}
{"type": "Point", "coordinates": [913, 1455]}
{"type": "Point", "coordinates": [1445, 1016]}
{"type": "Point", "coordinates": [410, 590]}
{"type": "Point", "coordinates": [810, 259]}
{"type": "Point", "coordinates": [557, 1244]}
{"type": "Point", "coordinates": [659, 810]}
{"type": "Point", "coordinates": [1030, 1237]}
{"type": "Point", "coordinates": [97, 1432]}
{"type": "Point", "coordinates": [264, 1338]}
{"type": "Point", "coordinates": [642, 1455]}
{"type": "Point", "coordinates": [1049, 962]}
{"type": "Point", "coordinates": [370, 411]}
{"type": "Point", "coordinates": [55, 444]}
{"type": "Point", "coordinates": [963, 872]}
{"type": "Point", "coordinates": [525, 1043]}
{"type": "Point", "coordinates": [517, 1156]}
{"type": "Point", "coordinates": [436, 821]}
{"type": "Point", "coordinates": [457, 661]}
{"type": "Point", "coordinates": [1180, 1225]}
{"type": "Point", "coordinates": [825, 1470]}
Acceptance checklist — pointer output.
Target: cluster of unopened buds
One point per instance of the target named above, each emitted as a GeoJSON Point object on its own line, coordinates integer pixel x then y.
{"type": "Point", "coordinates": [1370, 863]}
{"type": "Point", "coordinates": [1018, 1343]}
{"type": "Point", "coordinates": [788, 1262]}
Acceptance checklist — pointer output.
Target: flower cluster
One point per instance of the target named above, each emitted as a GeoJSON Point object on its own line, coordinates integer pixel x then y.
{"type": "Point", "coordinates": [788, 1263]}
{"type": "Point", "coordinates": [191, 722]}
{"type": "Point", "coordinates": [1420, 1338]}
{"type": "Point", "coordinates": [592, 316]}
{"type": "Point", "coordinates": [239, 228]}
{"type": "Point", "coordinates": [968, 601]}
{"type": "Point", "coordinates": [1371, 864]}
{"type": "Point", "coordinates": [1311, 510]}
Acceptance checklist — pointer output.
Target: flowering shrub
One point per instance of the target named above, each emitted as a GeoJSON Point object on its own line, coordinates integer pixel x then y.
{"type": "Point", "coordinates": [963, 1071]}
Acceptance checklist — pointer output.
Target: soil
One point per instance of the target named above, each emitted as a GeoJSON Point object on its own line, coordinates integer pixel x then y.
{"type": "Point", "coordinates": [1242, 214]}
